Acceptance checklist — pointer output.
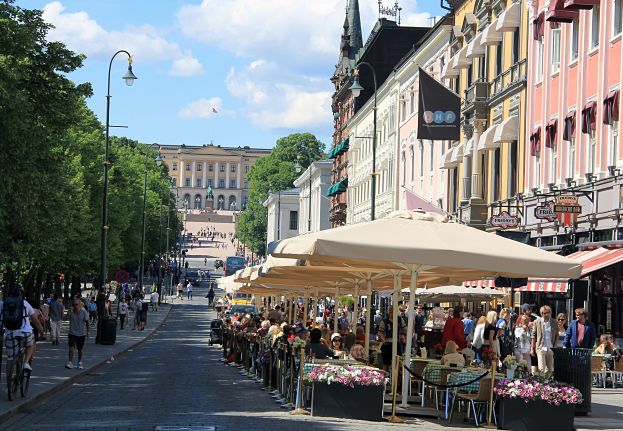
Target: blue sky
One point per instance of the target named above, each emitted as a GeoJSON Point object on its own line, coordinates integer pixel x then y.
{"type": "Point", "coordinates": [264, 65]}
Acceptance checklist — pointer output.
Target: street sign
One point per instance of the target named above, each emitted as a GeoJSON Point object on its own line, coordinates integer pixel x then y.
{"type": "Point", "coordinates": [545, 211]}
{"type": "Point", "coordinates": [504, 220]}
{"type": "Point", "coordinates": [122, 276]}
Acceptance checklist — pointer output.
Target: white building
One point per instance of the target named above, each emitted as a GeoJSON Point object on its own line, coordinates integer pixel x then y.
{"type": "Point", "coordinates": [283, 215]}
{"type": "Point", "coordinates": [313, 203]}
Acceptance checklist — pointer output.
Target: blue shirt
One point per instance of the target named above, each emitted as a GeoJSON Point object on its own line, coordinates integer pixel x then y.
{"type": "Point", "coordinates": [468, 326]}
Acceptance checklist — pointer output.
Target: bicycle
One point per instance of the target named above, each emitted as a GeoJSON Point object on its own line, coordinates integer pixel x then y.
{"type": "Point", "coordinates": [16, 374]}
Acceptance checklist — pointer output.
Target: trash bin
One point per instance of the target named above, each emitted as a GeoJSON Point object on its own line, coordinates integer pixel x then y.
{"type": "Point", "coordinates": [109, 332]}
{"type": "Point", "coordinates": [573, 366]}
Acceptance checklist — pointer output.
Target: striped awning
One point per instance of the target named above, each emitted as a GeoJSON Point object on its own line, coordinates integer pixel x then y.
{"type": "Point", "coordinates": [489, 283]}
{"type": "Point", "coordinates": [556, 286]}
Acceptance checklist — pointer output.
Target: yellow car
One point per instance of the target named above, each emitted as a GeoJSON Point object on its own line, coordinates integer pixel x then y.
{"type": "Point", "coordinates": [242, 299]}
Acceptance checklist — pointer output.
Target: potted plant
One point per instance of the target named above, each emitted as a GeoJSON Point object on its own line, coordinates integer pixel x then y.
{"type": "Point", "coordinates": [347, 392]}
{"type": "Point", "coordinates": [535, 404]}
{"type": "Point", "coordinates": [512, 365]}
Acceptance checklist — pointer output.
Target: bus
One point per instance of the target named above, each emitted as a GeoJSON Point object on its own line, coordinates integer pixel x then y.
{"type": "Point", "coordinates": [233, 264]}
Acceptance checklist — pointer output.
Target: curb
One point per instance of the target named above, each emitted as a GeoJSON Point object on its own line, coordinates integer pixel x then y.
{"type": "Point", "coordinates": [21, 408]}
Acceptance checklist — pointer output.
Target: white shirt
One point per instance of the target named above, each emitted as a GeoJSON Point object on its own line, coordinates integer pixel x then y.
{"type": "Point", "coordinates": [189, 287]}
{"type": "Point", "coordinates": [26, 327]}
{"type": "Point", "coordinates": [547, 335]}
{"type": "Point", "coordinates": [154, 297]}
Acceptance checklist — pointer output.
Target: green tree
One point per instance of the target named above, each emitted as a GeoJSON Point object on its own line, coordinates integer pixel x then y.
{"type": "Point", "coordinates": [274, 172]}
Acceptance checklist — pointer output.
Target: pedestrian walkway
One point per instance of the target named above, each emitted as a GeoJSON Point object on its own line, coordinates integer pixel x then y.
{"type": "Point", "coordinates": [49, 373]}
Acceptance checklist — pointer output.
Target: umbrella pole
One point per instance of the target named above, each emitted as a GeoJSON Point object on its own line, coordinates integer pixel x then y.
{"type": "Point", "coordinates": [355, 309]}
{"type": "Point", "coordinates": [305, 299]}
{"type": "Point", "coordinates": [489, 425]}
{"type": "Point", "coordinates": [337, 295]}
{"type": "Point", "coordinates": [406, 378]}
{"type": "Point", "coordinates": [395, 329]}
{"type": "Point", "coordinates": [368, 322]}
{"type": "Point", "coordinates": [393, 418]}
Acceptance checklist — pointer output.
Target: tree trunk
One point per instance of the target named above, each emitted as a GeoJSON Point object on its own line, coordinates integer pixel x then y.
{"type": "Point", "coordinates": [8, 280]}
{"type": "Point", "coordinates": [37, 287]}
{"type": "Point", "coordinates": [29, 283]}
{"type": "Point", "coordinates": [66, 284]}
{"type": "Point", "coordinates": [75, 286]}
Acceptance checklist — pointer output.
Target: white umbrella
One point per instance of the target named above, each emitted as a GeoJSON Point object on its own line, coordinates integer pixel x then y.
{"type": "Point", "coordinates": [458, 293]}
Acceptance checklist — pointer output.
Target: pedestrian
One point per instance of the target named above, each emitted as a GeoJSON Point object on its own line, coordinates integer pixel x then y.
{"type": "Point", "coordinates": [92, 311]}
{"type": "Point", "coordinates": [468, 326]}
{"type": "Point", "coordinates": [189, 290]}
{"type": "Point", "coordinates": [56, 316]}
{"type": "Point", "coordinates": [78, 332]}
{"type": "Point", "coordinates": [123, 312]}
{"type": "Point", "coordinates": [180, 290]}
{"type": "Point", "coordinates": [138, 306]}
{"type": "Point", "coordinates": [154, 300]}
{"type": "Point", "coordinates": [45, 315]}
{"type": "Point", "coordinates": [581, 333]}
{"type": "Point", "coordinates": [143, 315]}
{"type": "Point", "coordinates": [543, 339]}
{"type": "Point", "coordinates": [454, 330]}
{"type": "Point", "coordinates": [561, 321]}
{"type": "Point", "coordinates": [210, 295]}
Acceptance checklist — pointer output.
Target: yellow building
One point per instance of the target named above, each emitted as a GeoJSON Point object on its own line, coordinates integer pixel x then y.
{"type": "Point", "coordinates": [487, 69]}
{"type": "Point", "coordinates": [198, 171]}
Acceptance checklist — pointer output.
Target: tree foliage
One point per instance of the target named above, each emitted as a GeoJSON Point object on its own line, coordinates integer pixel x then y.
{"type": "Point", "coordinates": [274, 172]}
{"type": "Point", "coordinates": [51, 159]}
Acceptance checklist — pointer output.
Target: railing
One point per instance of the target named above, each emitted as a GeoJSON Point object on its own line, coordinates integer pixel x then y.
{"type": "Point", "coordinates": [513, 75]}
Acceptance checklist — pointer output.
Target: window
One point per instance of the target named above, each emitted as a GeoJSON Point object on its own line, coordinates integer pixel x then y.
{"type": "Point", "coordinates": [174, 181]}
{"type": "Point", "coordinates": [482, 66]}
{"type": "Point", "coordinates": [411, 100]}
{"type": "Point", "coordinates": [232, 168]}
{"type": "Point", "coordinates": [221, 167]}
{"type": "Point", "coordinates": [571, 161]}
{"type": "Point", "coordinates": [457, 84]}
{"type": "Point", "coordinates": [539, 60]}
{"type": "Point", "coordinates": [617, 26]}
{"type": "Point", "coordinates": [246, 184]}
{"type": "Point", "coordinates": [412, 163]}
{"type": "Point", "coordinates": [221, 184]}
{"type": "Point", "coordinates": [516, 46]}
{"type": "Point", "coordinates": [187, 182]}
{"type": "Point", "coordinates": [232, 184]}
{"type": "Point", "coordinates": [553, 171]}
{"type": "Point", "coordinates": [188, 166]}
{"type": "Point", "coordinates": [499, 57]}
{"type": "Point", "coordinates": [246, 169]}
{"type": "Point", "coordinates": [175, 166]}
{"type": "Point", "coordinates": [294, 220]}
{"type": "Point", "coordinates": [592, 150]}
{"type": "Point", "coordinates": [199, 184]}
{"type": "Point", "coordinates": [210, 183]}
{"type": "Point", "coordinates": [430, 166]}
{"type": "Point", "coordinates": [404, 168]}
{"type": "Point", "coordinates": [537, 170]}
{"type": "Point", "coordinates": [514, 180]}
{"type": "Point", "coordinates": [497, 180]}
{"type": "Point", "coordinates": [200, 166]}
{"type": "Point", "coordinates": [595, 26]}
{"type": "Point", "coordinates": [555, 49]}
{"type": "Point", "coordinates": [210, 168]}
{"type": "Point", "coordinates": [403, 108]}
{"type": "Point", "coordinates": [614, 143]}
{"type": "Point", "coordinates": [575, 35]}
{"type": "Point", "coordinates": [421, 148]}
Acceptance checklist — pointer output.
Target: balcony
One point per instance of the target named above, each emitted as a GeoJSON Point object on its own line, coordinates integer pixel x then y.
{"type": "Point", "coordinates": [337, 214]}
{"type": "Point", "coordinates": [508, 81]}
{"type": "Point", "coordinates": [476, 98]}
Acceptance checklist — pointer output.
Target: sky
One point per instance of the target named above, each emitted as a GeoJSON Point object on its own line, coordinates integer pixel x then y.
{"type": "Point", "coordinates": [262, 65]}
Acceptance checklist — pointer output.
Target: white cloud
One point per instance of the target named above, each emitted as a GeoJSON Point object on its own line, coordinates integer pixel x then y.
{"type": "Point", "coordinates": [277, 98]}
{"type": "Point", "coordinates": [186, 67]}
{"type": "Point", "coordinates": [83, 34]}
{"type": "Point", "coordinates": [204, 108]}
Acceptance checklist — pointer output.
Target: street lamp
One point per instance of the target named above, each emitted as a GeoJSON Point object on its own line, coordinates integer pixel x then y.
{"type": "Point", "coordinates": [129, 78]}
{"type": "Point", "coordinates": [299, 168]}
{"type": "Point", "coordinates": [355, 90]}
{"type": "Point", "coordinates": [142, 257]}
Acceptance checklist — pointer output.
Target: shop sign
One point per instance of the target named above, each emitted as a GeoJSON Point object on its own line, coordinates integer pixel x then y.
{"type": "Point", "coordinates": [567, 204]}
{"type": "Point", "coordinates": [545, 211]}
{"type": "Point", "coordinates": [504, 220]}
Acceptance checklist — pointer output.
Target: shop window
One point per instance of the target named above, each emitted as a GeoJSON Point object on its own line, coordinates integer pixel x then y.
{"type": "Point", "coordinates": [602, 235]}
{"type": "Point", "coordinates": [564, 239]}
{"type": "Point", "coordinates": [547, 241]}
{"type": "Point", "coordinates": [582, 237]}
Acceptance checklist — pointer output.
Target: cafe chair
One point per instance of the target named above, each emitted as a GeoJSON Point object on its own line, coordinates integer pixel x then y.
{"type": "Point", "coordinates": [418, 370]}
{"type": "Point", "coordinates": [598, 371]}
{"type": "Point", "coordinates": [443, 391]}
{"type": "Point", "coordinates": [480, 399]}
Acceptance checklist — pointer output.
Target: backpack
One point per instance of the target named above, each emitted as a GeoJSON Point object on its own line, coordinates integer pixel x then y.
{"type": "Point", "coordinates": [13, 313]}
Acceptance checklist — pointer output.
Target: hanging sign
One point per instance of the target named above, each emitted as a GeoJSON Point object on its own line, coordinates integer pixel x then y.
{"type": "Point", "coordinates": [504, 220]}
{"type": "Point", "coordinates": [567, 204]}
{"type": "Point", "coordinates": [545, 211]}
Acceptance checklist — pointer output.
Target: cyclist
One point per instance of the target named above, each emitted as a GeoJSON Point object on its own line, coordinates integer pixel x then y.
{"type": "Point", "coordinates": [25, 313]}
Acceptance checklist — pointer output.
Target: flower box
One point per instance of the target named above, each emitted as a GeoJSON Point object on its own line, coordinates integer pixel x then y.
{"type": "Point", "coordinates": [518, 415]}
{"type": "Point", "coordinates": [342, 401]}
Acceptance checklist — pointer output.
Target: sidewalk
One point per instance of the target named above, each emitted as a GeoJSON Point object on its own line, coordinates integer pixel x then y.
{"type": "Point", "coordinates": [49, 373]}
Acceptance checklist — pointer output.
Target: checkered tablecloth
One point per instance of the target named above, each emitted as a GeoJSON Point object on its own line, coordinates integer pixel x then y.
{"type": "Point", "coordinates": [465, 376]}
{"type": "Point", "coordinates": [432, 372]}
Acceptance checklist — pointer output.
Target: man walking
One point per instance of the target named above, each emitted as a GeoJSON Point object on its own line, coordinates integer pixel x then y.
{"type": "Point", "coordinates": [56, 316]}
{"type": "Point", "coordinates": [123, 312]}
{"type": "Point", "coordinates": [78, 331]}
{"type": "Point", "coordinates": [544, 338]}
{"type": "Point", "coordinates": [189, 290]}
{"type": "Point", "coordinates": [210, 295]}
{"type": "Point", "coordinates": [581, 333]}
{"type": "Point", "coordinates": [154, 301]}
{"type": "Point", "coordinates": [180, 290]}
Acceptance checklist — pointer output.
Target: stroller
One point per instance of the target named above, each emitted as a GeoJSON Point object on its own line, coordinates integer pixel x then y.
{"type": "Point", "coordinates": [216, 332]}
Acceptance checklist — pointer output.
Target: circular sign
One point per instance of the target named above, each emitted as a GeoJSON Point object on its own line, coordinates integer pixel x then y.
{"type": "Point", "coordinates": [122, 276]}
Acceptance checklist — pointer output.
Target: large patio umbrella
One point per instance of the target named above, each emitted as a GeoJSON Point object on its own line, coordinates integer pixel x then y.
{"type": "Point", "coordinates": [425, 245]}
{"type": "Point", "coordinates": [458, 293]}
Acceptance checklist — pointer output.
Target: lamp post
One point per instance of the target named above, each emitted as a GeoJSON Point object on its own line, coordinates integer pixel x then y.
{"type": "Point", "coordinates": [129, 78]}
{"type": "Point", "coordinates": [299, 168]}
{"type": "Point", "coordinates": [356, 89]}
{"type": "Point", "coordinates": [142, 257]}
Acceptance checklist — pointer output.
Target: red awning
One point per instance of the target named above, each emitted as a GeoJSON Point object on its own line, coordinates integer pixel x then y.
{"type": "Point", "coordinates": [538, 26]}
{"type": "Point", "coordinates": [581, 4]}
{"type": "Point", "coordinates": [557, 13]}
{"type": "Point", "coordinates": [480, 283]}
{"type": "Point", "coordinates": [550, 133]}
{"type": "Point", "coordinates": [610, 258]}
{"type": "Point", "coordinates": [589, 117]}
{"type": "Point", "coordinates": [556, 286]}
{"type": "Point", "coordinates": [535, 142]}
{"type": "Point", "coordinates": [611, 107]}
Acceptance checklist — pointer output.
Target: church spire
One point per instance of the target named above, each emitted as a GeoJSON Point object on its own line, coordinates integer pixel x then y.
{"type": "Point", "coordinates": [354, 24]}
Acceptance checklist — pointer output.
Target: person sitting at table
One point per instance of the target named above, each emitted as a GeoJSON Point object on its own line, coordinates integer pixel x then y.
{"type": "Point", "coordinates": [452, 356]}
{"type": "Point", "coordinates": [453, 330]}
{"type": "Point", "coordinates": [358, 353]}
{"type": "Point", "coordinates": [336, 344]}
{"type": "Point", "coordinates": [606, 345]}
{"type": "Point", "coordinates": [316, 348]}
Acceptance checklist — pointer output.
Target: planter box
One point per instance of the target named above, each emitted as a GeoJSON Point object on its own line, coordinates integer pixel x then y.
{"type": "Point", "coordinates": [337, 400]}
{"type": "Point", "coordinates": [517, 415]}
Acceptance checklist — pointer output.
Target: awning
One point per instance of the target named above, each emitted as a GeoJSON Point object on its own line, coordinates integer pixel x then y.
{"type": "Point", "coordinates": [556, 286]}
{"type": "Point", "coordinates": [456, 29]}
{"type": "Point", "coordinates": [581, 4]}
{"type": "Point", "coordinates": [490, 283]}
{"type": "Point", "coordinates": [550, 133]}
{"type": "Point", "coordinates": [339, 149]}
{"type": "Point", "coordinates": [449, 72]}
{"type": "Point", "coordinates": [508, 130]}
{"type": "Point", "coordinates": [446, 160]}
{"type": "Point", "coordinates": [610, 112]}
{"type": "Point", "coordinates": [490, 36]}
{"type": "Point", "coordinates": [557, 12]}
{"type": "Point", "coordinates": [460, 60]}
{"type": "Point", "coordinates": [510, 19]}
{"type": "Point", "coordinates": [474, 48]}
{"type": "Point", "coordinates": [337, 188]}
{"type": "Point", "coordinates": [469, 147]}
{"type": "Point", "coordinates": [486, 141]}
{"type": "Point", "coordinates": [607, 259]}
{"type": "Point", "coordinates": [568, 130]}
{"type": "Point", "coordinates": [457, 154]}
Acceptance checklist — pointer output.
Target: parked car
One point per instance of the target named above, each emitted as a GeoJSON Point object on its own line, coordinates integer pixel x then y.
{"type": "Point", "coordinates": [233, 264]}
{"type": "Point", "coordinates": [242, 309]}
{"type": "Point", "coordinates": [192, 276]}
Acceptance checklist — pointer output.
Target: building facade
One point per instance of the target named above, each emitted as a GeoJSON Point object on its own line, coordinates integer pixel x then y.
{"type": "Point", "coordinates": [314, 205]}
{"type": "Point", "coordinates": [283, 215]}
{"type": "Point", "coordinates": [210, 176]}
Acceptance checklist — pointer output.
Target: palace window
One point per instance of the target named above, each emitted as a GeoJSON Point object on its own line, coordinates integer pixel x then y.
{"type": "Point", "coordinates": [555, 49]}
{"type": "Point", "coordinates": [200, 167]}
{"type": "Point", "coordinates": [188, 166]}
{"type": "Point", "coordinates": [198, 180]}
{"type": "Point", "coordinates": [221, 167]}
{"type": "Point", "coordinates": [175, 166]}
{"type": "Point", "coordinates": [210, 168]}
